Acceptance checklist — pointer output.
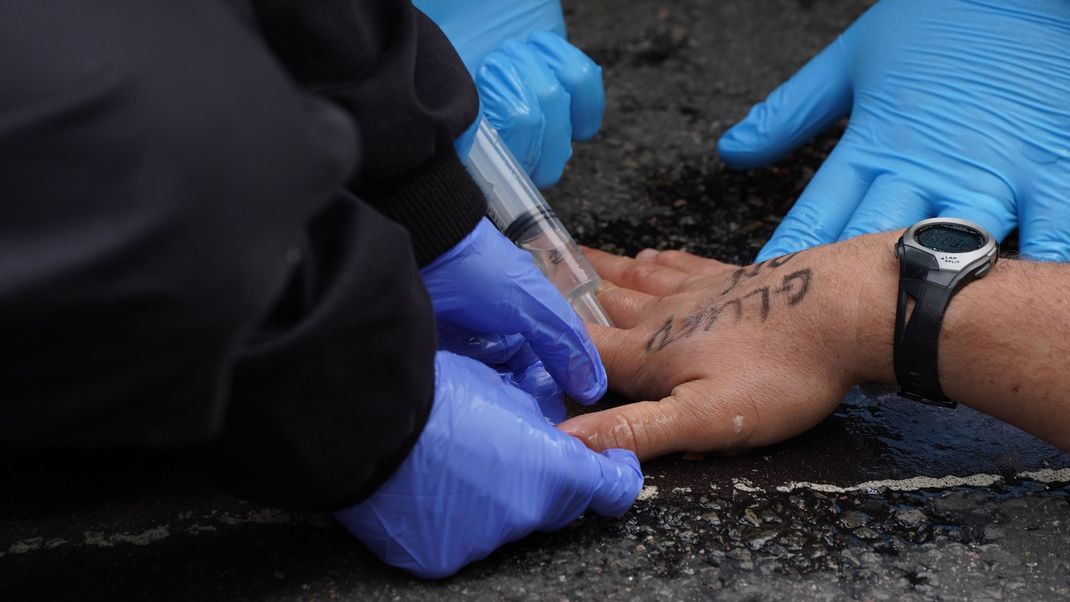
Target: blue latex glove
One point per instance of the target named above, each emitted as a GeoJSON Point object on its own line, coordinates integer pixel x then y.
{"type": "Point", "coordinates": [958, 109]}
{"type": "Point", "coordinates": [487, 470]}
{"type": "Point", "coordinates": [491, 303]}
{"type": "Point", "coordinates": [536, 89]}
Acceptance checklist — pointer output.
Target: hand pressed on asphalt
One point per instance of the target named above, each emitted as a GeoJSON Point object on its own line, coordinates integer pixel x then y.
{"type": "Point", "coordinates": [718, 357]}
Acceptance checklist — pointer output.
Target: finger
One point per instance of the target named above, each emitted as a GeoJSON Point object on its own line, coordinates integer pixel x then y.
{"type": "Point", "coordinates": [512, 108]}
{"type": "Point", "coordinates": [558, 336]}
{"type": "Point", "coordinates": [625, 307]}
{"type": "Point", "coordinates": [824, 208]}
{"type": "Point", "coordinates": [637, 275]}
{"type": "Point", "coordinates": [582, 78]}
{"type": "Point", "coordinates": [815, 98]}
{"type": "Point", "coordinates": [688, 263]}
{"type": "Point", "coordinates": [891, 203]}
{"type": "Point", "coordinates": [605, 483]}
{"type": "Point", "coordinates": [649, 428]}
{"type": "Point", "coordinates": [1044, 226]}
{"type": "Point", "coordinates": [554, 102]}
{"type": "Point", "coordinates": [622, 480]}
{"type": "Point", "coordinates": [992, 209]}
{"type": "Point", "coordinates": [621, 355]}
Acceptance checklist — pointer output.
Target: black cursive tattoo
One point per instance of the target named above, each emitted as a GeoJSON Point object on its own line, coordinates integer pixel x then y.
{"type": "Point", "coordinates": [755, 270]}
{"type": "Point", "coordinates": [802, 279]}
{"type": "Point", "coordinates": [793, 288]}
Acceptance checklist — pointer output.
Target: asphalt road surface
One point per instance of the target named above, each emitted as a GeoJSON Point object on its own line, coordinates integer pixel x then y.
{"type": "Point", "coordinates": [886, 500]}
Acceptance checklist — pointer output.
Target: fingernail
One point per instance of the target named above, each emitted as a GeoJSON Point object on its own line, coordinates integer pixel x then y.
{"type": "Point", "coordinates": [605, 287]}
{"type": "Point", "coordinates": [647, 254]}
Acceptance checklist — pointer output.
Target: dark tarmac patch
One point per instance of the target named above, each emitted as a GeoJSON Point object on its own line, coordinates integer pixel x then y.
{"type": "Point", "coordinates": [709, 209]}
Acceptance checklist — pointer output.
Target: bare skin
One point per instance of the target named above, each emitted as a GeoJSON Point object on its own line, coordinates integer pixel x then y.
{"type": "Point", "coordinates": [722, 358]}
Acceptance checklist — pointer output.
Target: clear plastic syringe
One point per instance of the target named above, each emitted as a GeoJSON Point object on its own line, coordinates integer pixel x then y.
{"type": "Point", "coordinates": [519, 210]}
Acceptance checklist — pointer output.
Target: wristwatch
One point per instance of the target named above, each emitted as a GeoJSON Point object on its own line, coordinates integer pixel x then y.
{"type": "Point", "coordinates": [937, 257]}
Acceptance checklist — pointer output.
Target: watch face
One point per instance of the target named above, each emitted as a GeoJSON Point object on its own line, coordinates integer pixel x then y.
{"type": "Point", "coordinates": [950, 238]}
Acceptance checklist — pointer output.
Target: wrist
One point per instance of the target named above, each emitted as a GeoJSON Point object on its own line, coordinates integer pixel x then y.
{"type": "Point", "coordinates": [870, 272]}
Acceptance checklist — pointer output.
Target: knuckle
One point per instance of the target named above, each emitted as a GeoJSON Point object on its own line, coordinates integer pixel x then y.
{"type": "Point", "coordinates": [673, 255]}
{"type": "Point", "coordinates": [639, 272]}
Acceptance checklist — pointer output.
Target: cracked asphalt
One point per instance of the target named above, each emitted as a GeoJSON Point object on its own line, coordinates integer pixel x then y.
{"type": "Point", "coordinates": [885, 500]}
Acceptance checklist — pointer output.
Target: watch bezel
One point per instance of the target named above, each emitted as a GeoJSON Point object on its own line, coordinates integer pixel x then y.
{"type": "Point", "coordinates": [949, 261]}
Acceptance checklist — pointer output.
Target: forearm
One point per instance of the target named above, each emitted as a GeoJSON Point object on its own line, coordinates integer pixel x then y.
{"type": "Point", "coordinates": [1005, 343]}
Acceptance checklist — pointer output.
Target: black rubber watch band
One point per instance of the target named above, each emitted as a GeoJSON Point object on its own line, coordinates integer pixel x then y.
{"type": "Point", "coordinates": [916, 348]}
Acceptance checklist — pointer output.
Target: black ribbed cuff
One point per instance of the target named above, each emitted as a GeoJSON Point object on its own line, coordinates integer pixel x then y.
{"type": "Point", "coordinates": [438, 202]}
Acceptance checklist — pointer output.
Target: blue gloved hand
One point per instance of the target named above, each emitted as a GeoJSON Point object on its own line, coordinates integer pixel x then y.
{"type": "Point", "coordinates": [958, 109]}
{"type": "Point", "coordinates": [486, 470]}
{"type": "Point", "coordinates": [537, 90]}
{"type": "Point", "coordinates": [491, 303]}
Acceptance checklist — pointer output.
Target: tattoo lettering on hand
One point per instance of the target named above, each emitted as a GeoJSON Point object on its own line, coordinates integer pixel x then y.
{"type": "Point", "coordinates": [800, 282]}
{"type": "Point", "coordinates": [764, 292]}
{"type": "Point", "coordinates": [776, 262]}
{"type": "Point", "coordinates": [755, 270]}
{"type": "Point", "coordinates": [664, 332]}
{"type": "Point", "coordinates": [793, 288]}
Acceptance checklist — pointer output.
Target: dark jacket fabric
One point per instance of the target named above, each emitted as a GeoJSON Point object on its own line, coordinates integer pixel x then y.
{"type": "Point", "coordinates": [213, 217]}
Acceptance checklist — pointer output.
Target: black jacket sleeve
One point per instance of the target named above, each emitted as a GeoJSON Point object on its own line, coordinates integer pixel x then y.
{"type": "Point", "coordinates": [400, 78]}
{"type": "Point", "coordinates": [180, 262]}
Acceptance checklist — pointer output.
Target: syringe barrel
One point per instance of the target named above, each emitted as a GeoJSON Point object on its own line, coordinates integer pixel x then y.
{"type": "Point", "coordinates": [519, 210]}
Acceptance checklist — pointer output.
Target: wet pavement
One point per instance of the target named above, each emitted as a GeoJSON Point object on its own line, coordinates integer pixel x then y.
{"type": "Point", "coordinates": [885, 500]}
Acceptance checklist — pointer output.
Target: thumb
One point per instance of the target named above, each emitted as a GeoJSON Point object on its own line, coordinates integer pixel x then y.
{"type": "Point", "coordinates": [605, 483]}
{"type": "Point", "coordinates": [622, 480]}
{"type": "Point", "coordinates": [813, 99]}
{"type": "Point", "coordinates": [649, 428]}
{"type": "Point", "coordinates": [580, 76]}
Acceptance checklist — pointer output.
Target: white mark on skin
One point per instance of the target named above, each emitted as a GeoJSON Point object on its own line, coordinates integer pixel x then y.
{"type": "Point", "coordinates": [737, 424]}
{"type": "Point", "coordinates": [96, 538]}
{"type": "Point", "coordinates": [680, 490]}
{"type": "Point", "coordinates": [649, 492]}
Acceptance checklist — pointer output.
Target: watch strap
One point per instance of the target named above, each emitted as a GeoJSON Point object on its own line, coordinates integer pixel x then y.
{"type": "Point", "coordinates": [916, 348]}
{"type": "Point", "coordinates": [930, 274]}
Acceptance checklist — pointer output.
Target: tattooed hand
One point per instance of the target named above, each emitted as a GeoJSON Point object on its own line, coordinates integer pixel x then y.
{"type": "Point", "coordinates": [738, 357]}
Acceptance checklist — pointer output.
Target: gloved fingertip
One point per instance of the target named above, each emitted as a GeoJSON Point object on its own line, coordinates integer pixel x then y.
{"type": "Point", "coordinates": [554, 410]}
{"type": "Point", "coordinates": [737, 147]}
{"type": "Point", "coordinates": [622, 480]}
{"type": "Point", "coordinates": [586, 127]}
{"type": "Point", "coordinates": [581, 77]}
{"type": "Point", "coordinates": [597, 384]}
{"type": "Point", "coordinates": [627, 457]}
{"type": "Point", "coordinates": [549, 171]}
